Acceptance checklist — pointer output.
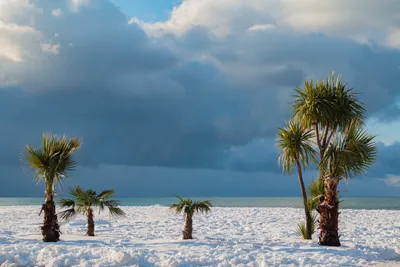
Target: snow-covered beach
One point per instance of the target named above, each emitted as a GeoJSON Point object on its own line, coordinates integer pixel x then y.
{"type": "Point", "coordinates": [151, 236]}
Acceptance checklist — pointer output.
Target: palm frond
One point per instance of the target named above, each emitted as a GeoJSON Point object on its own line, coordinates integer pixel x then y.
{"type": "Point", "coordinates": [188, 206]}
{"type": "Point", "coordinates": [295, 144]}
{"type": "Point", "coordinates": [67, 214]}
{"type": "Point", "coordinates": [111, 203]}
{"type": "Point", "coordinates": [116, 212]}
{"type": "Point", "coordinates": [302, 227]}
{"type": "Point", "coordinates": [327, 103]}
{"type": "Point", "coordinates": [316, 188]}
{"type": "Point", "coordinates": [311, 104]}
{"type": "Point", "coordinates": [36, 161]}
{"type": "Point", "coordinates": [106, 194]}
{"type": "Point", "coordinates": [352, 153]}
{"type": "Point", "coordinates": [180, 198]}
{"type": "Point", "coordinates": [178, 208]}
{"type": "Point", "coordinates": [52, 161]}
{"type": "Point", "coordinates": [203, 206]}
{"type": "Point", "coordinates": [66, 202]}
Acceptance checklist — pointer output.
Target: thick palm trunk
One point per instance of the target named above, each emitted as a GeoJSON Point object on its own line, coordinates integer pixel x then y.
{"type": "Point", "coordinates": [187, 231]}
{"type": "Point", "coordinates": [329, 215]}
{"type": "Point", "coordinates": [90, 222]}
{"type": "Point", "coordinates": [50, 228]}
{"type": "Point", "coordinates": [304, 194]}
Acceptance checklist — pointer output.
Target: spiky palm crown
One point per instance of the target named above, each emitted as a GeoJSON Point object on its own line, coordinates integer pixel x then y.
{"type": "Point", "coordinates": [295, 143]}
{"type": "Point", "coordinates": [189, 207]}
{"type": "Point", "coordinates": [333, 110]}
{"type": "Point", "coordinates": [327, 103]}
{"type": "Point", "coordinates": [54, 159]}
{"type": "Point", "coordinates": [86, 199]}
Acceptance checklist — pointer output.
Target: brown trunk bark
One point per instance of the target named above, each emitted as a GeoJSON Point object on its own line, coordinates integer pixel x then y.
{"type": "Point", "coordinates": [329, 215]}
{"type": "Point", "coordinates": [304, 194]}
{"type": "Point", "coordinates": [188, 230]}
{"type": "Point", "coordinates": [90, 222]}
{"type": "Point", "coordinates": [50, 228]}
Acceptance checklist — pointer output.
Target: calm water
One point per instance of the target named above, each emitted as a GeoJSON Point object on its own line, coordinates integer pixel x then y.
{"type": "Point", "coordinates": [347, 202]}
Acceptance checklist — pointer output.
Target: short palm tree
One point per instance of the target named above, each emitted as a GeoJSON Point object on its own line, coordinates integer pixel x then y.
{"type": "Point", "coordinates": [51, 163]}
{"type": "Point", "coordinates": [296, 148]}
{"type": "Point", "coordinates": [83, 202]}
{"type": "Point", "coordinates": [189, 207]}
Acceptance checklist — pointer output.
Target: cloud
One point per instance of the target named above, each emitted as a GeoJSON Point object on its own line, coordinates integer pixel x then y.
{"type": "Point", "coordinates": [387, 162]}
{"type": "Point", "coordinates": [344, 19]}
{"type": "Point", "coordinates": [204, 91]}
{"type": "Point", "coordinates": [310, 49]}
{"type": "Point", "coordinates": [56, 12]}
{"type": "Point", "coordinates": [261, 27]}
{"type": "Point", "coordinates": [334, 18]}
{"type": "Point", "coordinates": [133, 101]}
{"type": "Point", "coordinates": [392, 180]}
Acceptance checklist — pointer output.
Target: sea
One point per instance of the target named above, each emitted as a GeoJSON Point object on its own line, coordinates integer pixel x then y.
{"type": "Point", "coordinates": [293, 202]}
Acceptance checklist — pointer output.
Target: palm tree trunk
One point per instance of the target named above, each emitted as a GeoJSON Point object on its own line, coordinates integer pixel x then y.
{"type": "Point", "coordinates": [188, 230]}
{"type": "Point", "coordinates": [50, 228]}
{"type": "Point", "coordinates": [90, 222]}
{"type": "Point", "coordinates": [329, 215]}
{"type": "Point", "coordinates": [304, 194]}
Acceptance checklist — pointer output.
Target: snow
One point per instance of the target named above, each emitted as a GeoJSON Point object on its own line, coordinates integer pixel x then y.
{"type": "Point", "coordinates": [151, 236]}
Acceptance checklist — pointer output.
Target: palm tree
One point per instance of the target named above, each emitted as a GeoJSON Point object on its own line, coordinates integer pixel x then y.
{"type": "Point", "coordinates": [296, 148]}
{"type": "Point", "coordinates": [51, 163]}
{"type": "Point", "coordinates": [329, 108]}
{"type": "Point", "coordinates": [352, 153]}
{"type": "Point", "coordinates": [83, 202]}
{"type": "Point", "coordinates": [189, 207]}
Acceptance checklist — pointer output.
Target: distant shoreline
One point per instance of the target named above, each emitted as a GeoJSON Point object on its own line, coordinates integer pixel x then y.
{"type": "Point", "coordinates": [369, 203]}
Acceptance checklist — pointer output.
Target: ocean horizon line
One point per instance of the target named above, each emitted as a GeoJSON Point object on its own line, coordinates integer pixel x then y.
{"type": "Point", "coordinates": [371, 203]}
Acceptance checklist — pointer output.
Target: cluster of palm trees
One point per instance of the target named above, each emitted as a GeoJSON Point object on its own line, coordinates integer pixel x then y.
{"type": "Point", "coordinates": [327, 130]}
{"type": "Point", "coordinates": [51, 163]}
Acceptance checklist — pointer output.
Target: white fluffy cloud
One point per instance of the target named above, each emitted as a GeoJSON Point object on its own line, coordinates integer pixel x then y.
{"type": "Point", "coordinates": [359, 20]}
{"type": "Point", "coordinates": [392, 180]}
{"type": "Point", "coordinates": [220, 17]}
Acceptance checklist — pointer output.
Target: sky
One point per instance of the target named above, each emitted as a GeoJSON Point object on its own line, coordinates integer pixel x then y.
{"type": "Point", "coordinates": [186, 96]}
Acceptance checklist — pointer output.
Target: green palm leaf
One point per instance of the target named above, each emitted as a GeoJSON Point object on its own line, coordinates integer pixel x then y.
{"type": "Point", "coordinates": [53, 161]}
{"type": "Point", "coordinates": [189, 206]}
{"type": "Point", "coordinates": [352, 153]}
{"type": "Point", "coordinates": [295, 143]}
{"type": "Point", "coordinates": [83, 200]}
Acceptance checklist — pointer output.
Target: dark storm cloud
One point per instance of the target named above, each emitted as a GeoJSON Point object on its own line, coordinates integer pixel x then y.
{"type": "Point", "coordinates": [189, 101]}
{"type": "Point", "coordinates": [370, 71]}
{"type": "Point", "coordinates": [388, 161]}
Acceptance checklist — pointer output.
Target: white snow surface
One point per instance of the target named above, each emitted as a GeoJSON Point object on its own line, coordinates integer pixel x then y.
{"type": "Point", "coordinates": [151, 236]}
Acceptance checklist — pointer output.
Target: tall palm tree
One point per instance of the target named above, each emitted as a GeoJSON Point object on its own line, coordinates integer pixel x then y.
{"type": "Point", "coordinates": [351, 153]}
{"type": "Point", "coordinates": [51, 163]}
{"type": "Point", "coordinates": [296, 148]}
{"type": "Point", "coordinates": [83, 202]}
{"type": "Point", "coordinates": [189, 207]}
{"type": "Point", "coordinates": [330, 109]}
